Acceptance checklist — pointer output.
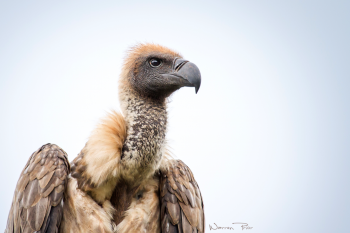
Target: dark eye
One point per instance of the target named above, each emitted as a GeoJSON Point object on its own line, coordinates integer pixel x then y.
{"type": "Point", "coordinates": [154, 62]}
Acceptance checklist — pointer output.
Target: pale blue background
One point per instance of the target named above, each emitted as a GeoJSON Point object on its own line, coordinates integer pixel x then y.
{"type": "Point", "coordinates": [267, 135]}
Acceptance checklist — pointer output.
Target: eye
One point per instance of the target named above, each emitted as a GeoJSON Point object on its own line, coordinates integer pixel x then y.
{"type": "Point", "coordinates": [155, 62]}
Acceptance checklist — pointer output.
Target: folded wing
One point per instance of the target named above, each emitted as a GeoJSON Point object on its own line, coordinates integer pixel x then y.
{"type": "Point", "coordinates": [182, 207]}
{"type": "Point", "coordinates": [37, 202]}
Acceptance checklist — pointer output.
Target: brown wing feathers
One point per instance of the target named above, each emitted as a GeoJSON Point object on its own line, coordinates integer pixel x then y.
{"type": "Point", "coordinates": [181, 201]}
{"type": "Point", "coordinates": [37, 201]}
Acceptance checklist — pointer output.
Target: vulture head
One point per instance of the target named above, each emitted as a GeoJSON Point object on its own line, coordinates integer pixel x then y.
{"type": "Point", "coordinates": [155, 72]}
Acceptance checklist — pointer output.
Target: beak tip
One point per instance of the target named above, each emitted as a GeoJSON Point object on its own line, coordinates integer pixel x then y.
{"type": "Point", "coordinates": [189, 72]}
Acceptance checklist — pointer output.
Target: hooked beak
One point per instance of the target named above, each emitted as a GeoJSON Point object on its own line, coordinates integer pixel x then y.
{"type": "Point", "coordinates": [187, 73]}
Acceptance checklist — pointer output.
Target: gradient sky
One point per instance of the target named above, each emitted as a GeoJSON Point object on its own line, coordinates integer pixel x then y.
{"type": "Point", "coordinates": [267, 135]}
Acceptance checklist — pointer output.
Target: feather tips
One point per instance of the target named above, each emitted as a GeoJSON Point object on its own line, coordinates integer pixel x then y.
{"type": "Point", "coordinates": [181, 201]}
{"type": "Point", "coordinates": [35, 195]}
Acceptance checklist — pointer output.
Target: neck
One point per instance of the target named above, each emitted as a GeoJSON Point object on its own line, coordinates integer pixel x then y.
{"type": "Point", "coordinates": [146, 120]}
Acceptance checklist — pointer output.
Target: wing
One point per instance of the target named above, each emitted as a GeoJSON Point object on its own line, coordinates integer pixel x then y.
{"type": "Point", "coordinates": [182, 208]}
{"type": "Point", "coordinates": [37, 202]}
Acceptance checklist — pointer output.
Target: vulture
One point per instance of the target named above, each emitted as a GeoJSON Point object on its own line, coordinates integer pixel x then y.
{"type": "Point", "coordinates": [124, 179]}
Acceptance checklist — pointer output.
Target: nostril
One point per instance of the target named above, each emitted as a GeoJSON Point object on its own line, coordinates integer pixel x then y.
{"type": "Point", "coordinates": [178, 63]}
{"type": "Point", "coordinates": [180, 66]}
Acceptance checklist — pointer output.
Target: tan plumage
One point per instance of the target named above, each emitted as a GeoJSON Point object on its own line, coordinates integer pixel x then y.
{"type": "Point", "coordinates": [123, 180]}
{"type": "Point", "coordinates": [98, 161]}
